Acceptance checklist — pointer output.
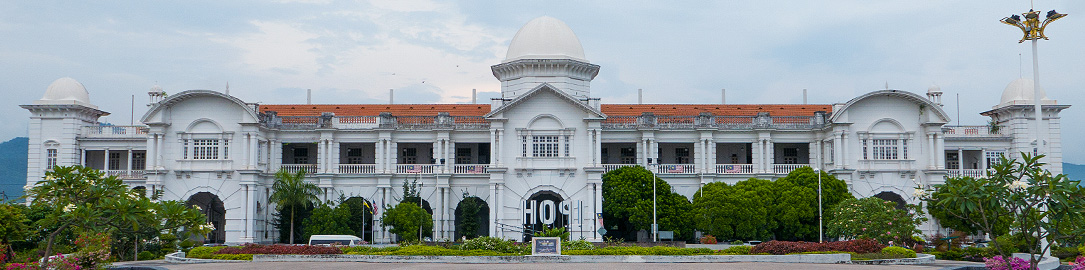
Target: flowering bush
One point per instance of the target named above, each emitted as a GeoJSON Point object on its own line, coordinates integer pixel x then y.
{"type": "Point", "coordinates": [1002, 263]}
{"type": "Point", "coordinates": [785, 247]}
{"type": "Point", "coordinates": [577, 245]}
{"type": "Point", "coordinates": [279, 249]}
{"type": "Point", "coordinates": [708, 239]}
{"type": "Point", "coordinates": [1079, 264]}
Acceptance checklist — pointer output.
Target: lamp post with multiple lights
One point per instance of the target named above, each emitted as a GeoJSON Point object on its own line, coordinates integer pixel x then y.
{"type": "Point", "coordinates": [1033, 30]}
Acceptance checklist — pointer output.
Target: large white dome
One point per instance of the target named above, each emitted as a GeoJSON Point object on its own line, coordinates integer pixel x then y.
{"type": "Point", "coordinates": [1020, 92]}
{"type": "Point", "coordinates": [65, 91]}
{"type": "Point", "coordinates": [545, 38]}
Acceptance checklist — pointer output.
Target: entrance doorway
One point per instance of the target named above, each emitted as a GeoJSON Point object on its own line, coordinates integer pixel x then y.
{"type": "Point", "coordinates": [213, 208]}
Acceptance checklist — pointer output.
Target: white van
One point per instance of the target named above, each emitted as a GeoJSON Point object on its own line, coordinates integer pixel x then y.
{"type": "Point", "coordinates": [335, 240]}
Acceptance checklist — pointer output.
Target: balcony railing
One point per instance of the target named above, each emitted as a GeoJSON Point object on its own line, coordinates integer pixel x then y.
{"type": "Point", "coordinates": [415, 168]}
{"type": "Point", "coordinates": [786, 168]}
{"type": "Point", "coordinates": [673, 168]}
{"type": "Point", "coordinates": [611, 167]}
{"type": "Point", "coordinates": [971, 131]}
{"type": "Point", "coordinates": [470, 168]}
{"type": "Point", "coordinates": [762, 121]}
{"type": "Point", "coordinates": [974, 173]}
{"type": "Point", "coordinates": [388, 121]}
{"type": "Point", "coordinates": [295, 168]}
{"type": "Point", "coordinates": [114, 131]}
{"type": "Point", "coordinates": [734, 168]}
{"type": "Point", "coordinates": [357, 168]}
{"type": "Point", "coordinates": [126, 174]}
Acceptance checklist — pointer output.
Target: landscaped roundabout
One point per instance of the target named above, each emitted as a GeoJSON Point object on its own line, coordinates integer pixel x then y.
{"type": "Point", "coordinates": [494, 250]}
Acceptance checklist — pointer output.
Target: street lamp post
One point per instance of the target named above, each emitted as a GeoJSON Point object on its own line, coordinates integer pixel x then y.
{"type": "Point", "coordinates": [1033, 29]}
{"type": "Point", "coordinates": [655, 226]}
{"type": "Point", "coordinates": [821, 233]}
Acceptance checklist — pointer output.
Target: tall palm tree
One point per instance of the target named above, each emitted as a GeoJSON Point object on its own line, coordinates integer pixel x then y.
{"type": "Point", "coordinates": [291, 190]}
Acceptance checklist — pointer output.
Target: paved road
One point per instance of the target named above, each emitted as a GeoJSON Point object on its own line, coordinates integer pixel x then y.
{"type": "Point", "coordinates": [548, 266]}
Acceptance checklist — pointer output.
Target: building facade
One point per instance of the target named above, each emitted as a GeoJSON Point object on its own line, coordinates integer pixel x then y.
{"type": "Point", "coordinates": [534, 157]}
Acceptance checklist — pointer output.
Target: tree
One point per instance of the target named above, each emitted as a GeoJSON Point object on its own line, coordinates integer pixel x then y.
{"type": "Point", "coordinates": [964, 221]}
{"type": "Point", "coordinates": [627, 204]}
{"type": "Point", "coordinates": [290, 191]}
{"type": "Point", "coordinates": [328, 220]}
{"type": "Point", "coordinates": [80, 197]}
{"type": "Point", "coordinates": [468, 216]}
{"type": "Point", "coordinates": [1038, 202]}
{"type": "Point", "coordinates": [15, 226]}
{"type": "Point", "coordinates": [361, 215]}
{"type": "Point", "coordinates": [797, 203]}
{"type": "Point", "coordinates": [405, 219]}
{"type": "Point", "coordinates": [874, 218]}
{"type": "Point", "coordinates": [736, 212]}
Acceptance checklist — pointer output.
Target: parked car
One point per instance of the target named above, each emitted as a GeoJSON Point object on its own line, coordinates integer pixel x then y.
{"type": "Point", "coordinates": [335, 240]}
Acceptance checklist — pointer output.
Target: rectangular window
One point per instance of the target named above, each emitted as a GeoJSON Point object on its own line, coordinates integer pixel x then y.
{"type": "Point", "coordinates": [567, 145]}
{"type": "Point", "coordinates": [993, 157]}
{"type": "Point", "coordinates": [681, 155]}
{"type": "Point", "coordinates": [832, 154]}
{"type": "Point", "coordinates": [523, 145]}
{"type": "Point", "coordinates": [114, 161]}
{"type": "Point", "coordinates": [139, 160]}
{"type": "Point", "coordinates": [904, 148]}
{"type": "Point", "coordinates": [204, 149]}
{"type": "Point", "coordinates": [225, 149]}
{"type": "Point", "coordinates": [184, 149]}
{"type": "Point", "coordinates": [886, 148]}
{"type": "Point", "coordinates": [865, 152]}
{"type": "Point", "coordinates": [463, 155]}
{"type": "Point", "coordinates": [544, 146]}
{"type": "Point", "coordinates": [50, 159]}
{"type": "Point", "coordinates": [301, 155]}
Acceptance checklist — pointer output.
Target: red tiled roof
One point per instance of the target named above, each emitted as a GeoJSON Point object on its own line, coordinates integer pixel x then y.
{"type": "Point", "coordinates": [377, 109]}
{"type": "Point", "coordinates": [608, 109]}
{"type": "Point", "coordinates": [715, 109]}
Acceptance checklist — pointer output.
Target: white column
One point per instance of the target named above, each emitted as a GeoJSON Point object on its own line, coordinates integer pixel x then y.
{"type": "Point", "coordinates": [844, 146]}
{"type": "Point", "coordinates": [960, 160]}
{"type": "Point", "coordinates": [106, 155]}
{"type": "Point", "coordinates": [983, 161]}
{"type": "Point", "coordinates": [931, 154]}
{"type": "Point", "coordinates": [597, 208]}
{"type": "Point", "coordinates": [247, 236]}
{"type": "Point", "coordinates": [500, 139]}
{"type": "Point", "coordinates": [940, 141]}
{"type": "Point", "coordinates": [152, 152]}
{"type": "Point", "coordinates": [500, 206]}
{"type": "Point", "coordinates": [493, 147]}
{"type": "Point", "coordinates": [712, 154]}
{"type": "Point", "coordinates": [83, 156]}
{"type": "Point", "coordinates": [771, 153]}
{"type": "Point", "coordinates": [492, 202]}
{"type": "Point", "coordinates": [129, 165]}
{"type": "Point", "coordinates": [254, 150]}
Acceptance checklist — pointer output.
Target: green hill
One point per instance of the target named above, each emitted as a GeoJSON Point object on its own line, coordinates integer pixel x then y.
{"type": "Point", "coordinates": [1074, 171]}
{"type": "Point", "coordinates": [13, 167]}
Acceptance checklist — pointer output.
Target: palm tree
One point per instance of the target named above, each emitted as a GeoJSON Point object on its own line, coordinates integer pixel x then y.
{"type": "Point", "coordinates": [291, 190]}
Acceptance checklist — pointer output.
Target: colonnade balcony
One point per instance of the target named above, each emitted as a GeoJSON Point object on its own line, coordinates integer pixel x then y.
{"type": "Point", "coordinates": [403, 158]}
{"type": "Point", "coordinates": [384, 121]}
{"type": "Point", "coordinates": [706, 120]}
{"type": "Point", "coordinates": [707, 157]}
{"type": "Point", "coordinates": [975, 132]}
{"type": "Point", "coordinates": [113, 132]}
{"type": "Point", "coordinates": [126, 164]}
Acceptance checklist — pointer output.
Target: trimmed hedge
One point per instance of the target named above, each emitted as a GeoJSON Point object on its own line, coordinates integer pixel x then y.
{"type": "Point", "coordinates": [202, 252]}
{"type": "Point", "coordinates": [656, 250]}
{"type": "Point", "coordinates": [577, 245]}
{"type": "Point", "coordinates": [785, 247]}
{"type": "Point", "coordinates": [279, 249]}
{"type": "Point", "coordinates": [420, 250]}
{"type": "Point", "coordinates": [737, 250]}
{"type": "Point", "coordinates": [235, 257]}
{"type": "Point", "coordinates": [899, 252]}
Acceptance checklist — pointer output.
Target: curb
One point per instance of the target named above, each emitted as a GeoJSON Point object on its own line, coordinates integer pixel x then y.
{"type": "Point", "coordinates": [919, 259]}
{"type": "Point", "coordinates": [799, 258]}
{"type": "Point", "coordinates": [179, 257]}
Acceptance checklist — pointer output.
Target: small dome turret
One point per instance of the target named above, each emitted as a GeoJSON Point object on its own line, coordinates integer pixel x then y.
{"type": "Point", "coordinates": [1019, 92]}
{"type": "Point", "coordinates": [66, 91]}
{"type": "Point", "coordinates": [545, 38]}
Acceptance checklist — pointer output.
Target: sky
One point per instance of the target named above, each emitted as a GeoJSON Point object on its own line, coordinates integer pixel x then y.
{"type": "Point", "coordinates": [762, 52]}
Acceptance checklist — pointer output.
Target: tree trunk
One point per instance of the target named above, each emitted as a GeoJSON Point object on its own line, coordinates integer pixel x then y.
{"type": "Point", "coordinates": [49, 246]}
{"type": "Point", "coordinates": [291, 224]}
{"type": "Point", "coordinates": [135, 250]}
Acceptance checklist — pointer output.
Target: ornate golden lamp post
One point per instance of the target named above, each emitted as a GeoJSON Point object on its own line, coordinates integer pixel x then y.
{"type": "Point", "coordinates": [1033, 29]}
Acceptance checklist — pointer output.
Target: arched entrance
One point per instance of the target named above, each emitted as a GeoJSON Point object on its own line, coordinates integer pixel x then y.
{"type": "Point", "coordinates": [543, 210]}
{"type": "Point", "coordinates": [472, 218]}
{"type": "Point", "coordinates": [892, 197]}
{"type": "Point", "coordinates": [213, 208]}
{"type": "Point", "coordinates": [361, 217]}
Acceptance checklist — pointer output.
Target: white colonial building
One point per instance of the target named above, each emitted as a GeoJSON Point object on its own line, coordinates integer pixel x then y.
{"type": "Point", "coordinates": [534, 156]}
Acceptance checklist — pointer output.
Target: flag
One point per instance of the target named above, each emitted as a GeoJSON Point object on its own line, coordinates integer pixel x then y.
{"type": "Point", "coordinates": [414, 169]}
{"type": "Point", "coordinates": [732, 169]}
{"type": "Point", "coordinates": [675, 168]}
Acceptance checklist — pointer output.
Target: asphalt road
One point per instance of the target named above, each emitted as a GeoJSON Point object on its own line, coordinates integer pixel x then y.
{"type": "Point", "coordinates": [547, 266]}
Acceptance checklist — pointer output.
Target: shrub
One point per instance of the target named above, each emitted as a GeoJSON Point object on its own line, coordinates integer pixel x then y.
{"type": "Point", "coordinates": [786, 247]}
{"type": "Point", "coordinates": [554, 232]}
{"type": "Point", "coordinates": [145, 255]}
{"type": "Point", "coordinates": [951, 254]}
{"type": "Point", "coordinates": [977, 254]}
{"type": "Point", "coordinates": [899, 251]}
{"type": "Point", "coordinates": [1006, 263]}
{"type": "Point", "coordinates": [279, 249]}
{"type": "Point", "coordinates": [708, 239]}
{"type": "Point", "coordinates": [737, 250]}
{"type": "Point", "coordinates": [577, 245]}
{"type": "Point", "coordinates": [656, 250]}
{"type": "Point", "coordinates": [1079, 264]}
{"type": "Point", "coordinates": [202, 252]}
{"type": "Point", "coordinates": [737, 242]}
{"type": "Point", "coordinates": [493, 244]}
{"type": "Point", "coordinates": [421, 250]}
{"type": "Point", "coordinates": [233, 257]}
{"type": "Point", "coordinates": [1065, 253]}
